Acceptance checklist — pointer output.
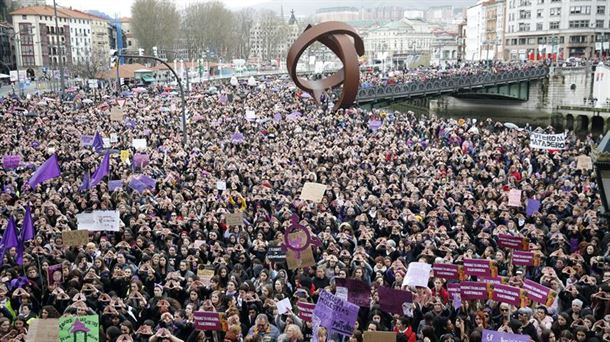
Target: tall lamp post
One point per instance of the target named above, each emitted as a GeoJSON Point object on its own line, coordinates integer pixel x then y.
{"type": "Point", "coordinates": [601, 159]}
{"type": "Point", "coordinates": [184, 133]}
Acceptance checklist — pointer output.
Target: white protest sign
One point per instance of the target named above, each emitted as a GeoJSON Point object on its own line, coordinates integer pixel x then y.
{"type": "Point", "coordinates": [114, 138]}
{"type": "Point", "coordinates": [221, 185]}
{"type": "Point", "coordinates": [107, 142]}
{"type": "Point", "coordinates": [341, 292]}
{"type": "Point", "coordinates": [313, 192]}
{"type": "Point", "coordinates": [283, 306]}
{"type": "Point", "coordinates": [514, 198]}
{"type": "Point", "coordinates": [250, 115]}
{"type": "Point", "coordinates": [418, 274]}
{"type": "Point", "coordinates": [548, 141]}
{"type": "Point", "coordinates": [99, 220]}
{"type": "Point", "coordinates": [139, 144]}
{"type": "Point", "coordinates": [584, 163]}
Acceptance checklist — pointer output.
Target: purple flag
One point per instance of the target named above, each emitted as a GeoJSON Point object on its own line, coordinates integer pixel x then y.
{"type": "Point", "coordinates": [114, 184]}
{"type": "Point", "coordinates": [375, 124]}
{"type": "Point", "coordinates": [140, 160]}
{"type": "Point", "coordinates": [294, 115]}
{"type": "Point", "coordinates": [27, 230]}
{"type": "Point", "coordinates": [11, 161]}
{"type": "Point", "coordinates": [393, 301]}
{"type": "Point", "coordinates": [237, 138]}
{"type": "Point", "coordinates": [130, 123]}
{"type": "Point", "coordinates": [137, 185]}
{"type": "Point", "coordinates": [9, 239]}
{"type": "Point", "coordinates": [277, 117]}
{"type": "Point", "coordinates": [98, 142]}
{"type": "Point", "coordinates": [358, 292]}
{"type": "Point", "coordinates": [496, 336]}
{"type": "Point", "coordinates": [533, 205]}
{"type": "Point", "coordinates": [149, 182]}
{"type": "Point", "coordinates": [48, 170]}
{"type": "Point", "coordinates": [102, 171]}
{"type": "Point", "coordinates": [84, 186]}
{"type": "Point", "coordinates": [86, 140]}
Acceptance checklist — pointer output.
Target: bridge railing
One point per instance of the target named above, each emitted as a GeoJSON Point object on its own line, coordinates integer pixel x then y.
{"type": "Point", "coordinates": [449, 84]}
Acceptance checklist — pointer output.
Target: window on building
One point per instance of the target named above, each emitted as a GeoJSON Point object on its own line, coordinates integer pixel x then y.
{"type": "Point", "coordinates": [539, 13]}
{"type": "Point", "coordinates": [24, 17]}
{"type": "Point", "coordinates": [525, 14]}
{"type": "Point", "coordinates": [521, 41]}
{"type": "Point", "coordinates": [523, 27]}
{"type": "Point", "coordinates": [555, 0]}
{"type": "Point", "coordinates": [538, 26]}
{"type": "Point", "coordinates": [554, 25]}
{"type": "Point", "coordinates": [540, 2]}
{"type": "Point", "coordinates": [531, 41]}
{"type": "Point", "coordinates": [599, 24]}
{"type": "Point", "coordinates": [580, 10]}
{"type": "Point", "coordinates": [601, 9]}
{"type": "Point", "coordinates": [578, 39]}
{"type": "Point", "coordinates": [556, 11]}
{"type": "Point", "coordinates": [579, 23]}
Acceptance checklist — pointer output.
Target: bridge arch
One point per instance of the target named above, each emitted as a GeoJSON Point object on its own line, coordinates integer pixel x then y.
{"type": "Point", "coordinates": [597, 125]}
{"type": "Point", "coordinates": [582, 124]}
{"type": "Point", "coordinates": [569, 122]}
{"type": "Point", "coordinates": [557, 121]}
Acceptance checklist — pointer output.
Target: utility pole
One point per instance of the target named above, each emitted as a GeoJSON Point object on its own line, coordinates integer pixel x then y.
{"type": "Point", "coordinates": [61, 54]}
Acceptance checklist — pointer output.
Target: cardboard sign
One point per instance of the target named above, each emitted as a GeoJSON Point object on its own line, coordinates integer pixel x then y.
{"type": "Point", "coordinates": [207, 320]}
{"type": "Point", "coordinates": [335, 314]}
{"type": "Point", "coordinates": [124, 155]}
{"type": "Point", "coordinates": [480, 268]}
{"type": "Point", "coordinates": [394, 301]}
{"type": "Point", "coordinates": [418, 274]}
{"type": "Point", "coordinates": [305, 310]}
{"type": "Point", "coordinates": [507, 294]}
{"type": "Point", "coordinates": [205, 276]}
{"type": "Point", "coordinates": [448, 271]}
{"type": "Point", "coordinates": [521, 258]}
{"type": "Point", "coordinates": [584, 163]}
{"type": "Point", "coordinates": [313, 192]}
{"type": "Point", "coordinates": [358, 292]}
{"type": "Point", "coordinates": [379, 336]}
{"type": "Point", "coordinates": [235, 219]}
{"type": "Point", "coordinates": [538, 293]}
{"type": "Point", "coordinates": [496, 336]}
{"type": "Point", "coordinates": [99, 220]}
{"type": "Point", "coordinates": [43, 330]}
{"type": "Point", "coordinates": [512, 242]}
{"type": "Point", "coordinates": [221, 185]}
{"type": "Point", "coordinates": [11, 161]}
{"type": "Point", "coordinates": [139, 144]}
{"type": "Point", "coordinates": [116, 114]}
{"type": "Point", "coordinates": [548, 141]}
{"type": "Point", "coordinates": [284, 306]}
{"type": "Point", "coordinates": [514, 198]}
{"type": "Point", "coordinates": [296, 260]}
{"type": "Point", "coordinates": [79, 329]}
{"type": "Point", "coordinates": [55, 275]}
{"type": "Point", "coordinates": [472, 290]}
{"type": "Point", "coordinates": [75, 237]}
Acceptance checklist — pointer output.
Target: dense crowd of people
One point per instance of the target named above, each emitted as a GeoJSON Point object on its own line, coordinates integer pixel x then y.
{"type": "Point", "coordinates": [418, 188]}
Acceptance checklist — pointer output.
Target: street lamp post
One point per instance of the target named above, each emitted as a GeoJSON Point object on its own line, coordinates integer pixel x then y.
{"type": "Point", "coordinates": [184, 132]}
{"type": "Point", "coordinates": [61, 54]}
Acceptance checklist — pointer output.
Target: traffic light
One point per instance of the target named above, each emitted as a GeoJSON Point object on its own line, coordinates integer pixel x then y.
{"type": "Point", "coordinates": [155, 51]}
{"type": "Point", "coordinates": [141, 52]}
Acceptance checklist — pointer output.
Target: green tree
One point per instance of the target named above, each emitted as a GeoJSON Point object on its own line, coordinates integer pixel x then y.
{"type": "Point", "coordinates": [155, 23]}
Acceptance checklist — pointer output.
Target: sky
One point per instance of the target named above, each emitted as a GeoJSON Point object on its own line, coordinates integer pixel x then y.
{"type": "Point", "coordinates": [123, 7]}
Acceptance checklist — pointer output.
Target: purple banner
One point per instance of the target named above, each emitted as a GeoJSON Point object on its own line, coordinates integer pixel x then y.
{"type": "Point", "coordinates": [512, 242]}
{"type": "Point", "coordinates": [277, 117]}
{"type": "Point", "coordinates": [472, 290]}
{"type": "Point", "coordinates": [446, 271]}
{"type": "Point", "coordinates": [478, 267]}
{"type": "Point", "coordinates": [336, 314]}
{"type": "Point", "coordinates": [114, 184]}
{"type": "Point", "coordinates": [207, 320]}
{"type": "Point", "coordinates": [538, 293]}
{"type": "Point", "coordinates": [86, 140]}
{"type": "Point", "coordinates": [11, 161]}
{"type": "Point", "coordinates": [496, 336]}
{"type": "Point", "coordinates": [375, 124]}
{"type": "Point", "coordinates": [358, 292]}
{"type": "Point", "coordinates": [507, 294]}
{"type": "Point", "coordinates": [391, 300]}
{"type": "Point", "coordinates": [149, 182]}
{"type": "Point", "coordinates": [237, 138]}
{"type": "Point", "coordinates": [140, 160]}
{"type": "Point", "coordinates": [521, 258]}
{"type": "Point", "coordinates": [454, 289]}
{"type": "Point", "coordinates": [494, 280]}
{"type": "Point", "coordinates": [305, 310]}
{"type": "Point", "coordinates": [533, 205]}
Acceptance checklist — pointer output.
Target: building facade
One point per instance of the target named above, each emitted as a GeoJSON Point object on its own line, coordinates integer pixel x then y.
{"type": "Point", "coordinates": [7, 48]}
{"type": "Point", "coordinates": [130, 42]}
{"type": "Point", "coordinates": [270, 39]}
{"type": "Point", "coordinates": [538, 29]}
{"type": "Point", "coordinates": [485, 24]}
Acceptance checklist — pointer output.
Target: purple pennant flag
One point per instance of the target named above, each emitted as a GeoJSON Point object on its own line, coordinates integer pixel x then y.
{"type": "Point", "coordinates": [114, 184]}
{"type": "Point", "coordinates": [130, 123]}
{"type": "Point", "coordinates": [102, 171]}
{"type": "Point", "coordinates": [375, 124]}
{"type": "Point", "coordinates": [140, 160]}
{"type": "Point", "coordinates": [293, 115]}
{"type": "Point", "coordinates": [277, 117]}
{"type": "Point", "coordinates": [137, 185]}
{"type": "Point", "coordinates": [149, 182]}
{"type": "Point", "coordinates": [84, 186]}
{"type": "Point", "coordinates": [27, 230]}
{"type": "Point", "coordinates": [533, 205]}
{"type": "Point", "coordinates": [237, 138]}
{"type": "Point", "coordinates": [9, 239]}
{"type": "Point", "coordinates": [48, 170]}
{"type": "Point", "coordinates": [457, 301]}
{"type": "Point", "coordinates": [11, 161]}
{"type": "Point", "coordinates": [496, 336]}
{"type": "Point", "coordinates": [98, 142]}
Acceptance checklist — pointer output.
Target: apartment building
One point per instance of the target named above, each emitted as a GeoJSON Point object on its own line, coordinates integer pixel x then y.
{"type": "Point", "coordinates": [485, 25]}
{"type": "Point", "coordinates": [539, 29]}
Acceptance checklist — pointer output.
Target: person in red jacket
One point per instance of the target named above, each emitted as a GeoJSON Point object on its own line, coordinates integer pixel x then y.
{"type": "Point", "coordinates": [439, 291]}
{"type": "Point", "coordinates": [403, 327]}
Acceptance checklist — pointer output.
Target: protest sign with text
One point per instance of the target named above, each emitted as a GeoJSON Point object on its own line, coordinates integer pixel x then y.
{"type": "Point", "coordinates": [548, 141]}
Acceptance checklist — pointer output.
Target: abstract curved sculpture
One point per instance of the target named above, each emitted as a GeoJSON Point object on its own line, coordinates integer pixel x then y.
{"type": "Point", "coordinates": [343, 41]}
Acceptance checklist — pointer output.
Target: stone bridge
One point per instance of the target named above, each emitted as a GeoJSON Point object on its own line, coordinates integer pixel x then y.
{"type": "Point", "coordinates": [505, 85]}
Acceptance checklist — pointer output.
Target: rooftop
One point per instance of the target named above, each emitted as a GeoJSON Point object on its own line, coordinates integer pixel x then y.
{"type": "Point", "coordinates": [62, 12]}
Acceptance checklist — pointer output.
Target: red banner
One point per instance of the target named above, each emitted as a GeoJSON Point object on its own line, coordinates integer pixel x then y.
{"type": "Point", "coordinates": [521, 258]}
{"type": "Point", "coordinates": [539, 293]}
{"type": "Point", "coordinates": [448, 271]}
{"type": "Point", "coordinates": [480, 268]}
{"type": "Point", "coordinates": [507, 294]}
{"type": "Point", "coordinates": [305, 310]}
{"type": "Point", "coordinates": [207, 320]}
{"type": "Point", "coordinates": [472, 290]}
{"type": "Point", "coordinates": [512, 242]}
